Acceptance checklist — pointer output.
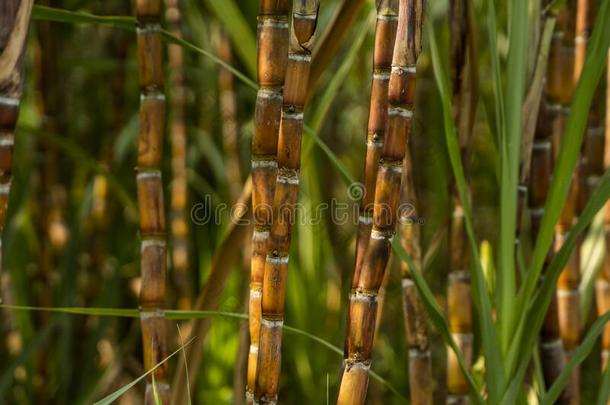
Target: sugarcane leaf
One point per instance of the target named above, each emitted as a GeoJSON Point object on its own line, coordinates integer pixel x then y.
{"type": "Point", "coordinates": [604, 388]}
{"type": "Point", "coordinates": [495, 371]}
{"type": "Point", "coordinates": [578, 356]}
{"type": "Point", "coordinates": [183, 315]}
{"type": "Point", "coordinates": [531, 105]}
{"type": "Point", "coordinates": [496, 74]}
{"type": "Point", "coordinates": [81, 17]}
{"type": "Point", "coordinates": [528, 328]}
{"type": "Point", "coordinates": [107, 400]}
{"type": "Point", "coordinates": [436, 315]}
{"type": "Point", "coordinates": [236, 26]}
{"type": "Point", "coordinates": [516, 70]}
{"type": "Point", "coordinates": [568, 156]}
{"type": "Point", "coordinates": [593, 250]}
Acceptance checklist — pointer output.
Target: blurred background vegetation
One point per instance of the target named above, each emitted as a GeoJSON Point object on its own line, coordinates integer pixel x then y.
{"type": "Point", "coordinates": [78, 126]}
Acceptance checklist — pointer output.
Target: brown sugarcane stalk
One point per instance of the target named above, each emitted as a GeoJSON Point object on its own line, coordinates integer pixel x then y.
{"type": "Point", "coordinates": [463, 54]}
{"type": "Point", "coordinates": [304, 20]}
{"type": "Point", "coordinates": [363, 298]}
{"type": "Point", "coordinates": [272, 55]}
{"type": "Point", "coordinates": [150, 198]}
{"type": "Point", "coordinates": [416, 323]}
{"type": "Point", "coordinates": [179, 186]}
{"type": "Point", "coordinates": [385, 34]}
{"type": "Point", "coordinates": [602, 287]}
{"type": "Point", "coordinates": [14, 25]}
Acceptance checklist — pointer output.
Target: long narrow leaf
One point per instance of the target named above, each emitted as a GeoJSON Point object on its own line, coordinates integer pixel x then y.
{"type": "Point", "coordinates": [516, 70]}
{"type": "Point", "coordinates": [237, 27]}
{"type": "Point", "coordinates": [578, 357]}
{"type": "Point", "coordinates": [107, 400]}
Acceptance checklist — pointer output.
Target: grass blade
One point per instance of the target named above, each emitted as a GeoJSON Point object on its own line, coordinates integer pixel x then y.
{"type": "Point", "coordinates": [577, 357]}
{"type": "Point", "coordinates": [238, 29]}
{"type": "Point", "coordinates": [107, 400]}
{"type": "Point", "coordinates": [186, 315]}
{"type": "Point", "coordinates": [516, 70]}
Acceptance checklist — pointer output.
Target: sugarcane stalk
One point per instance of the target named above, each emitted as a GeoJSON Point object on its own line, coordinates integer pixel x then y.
{"type": "Point", "coordinates": [14, 25]}
{"type": "Point", "coordinates": [385, 34]}
{"type": "Point", "coordinates": [304, 20]}
{"type": "Point", "coordinates": [272, 55]}
{"type": "Point", "coordinates": [416, 323]}
{"type": "Point", "coordinates": [179, 186]}
{"type": "Point", "coordinates": [150, 198]}
{"type": "Point", "coordinates": [363, 298]}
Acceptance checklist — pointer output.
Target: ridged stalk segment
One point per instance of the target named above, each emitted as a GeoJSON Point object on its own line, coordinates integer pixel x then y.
{"type": "Point", "coordinates": [14, 25]}
{"type": "Point", "coordinates": [304, 20]}
{"type": "Point", "coordinates": [363, 297]}
{"type": "Point", "coordinates": [150, 199]}
{"type": "Point", "coordinates": [385, 34]}
{"type": "Point", "coordinates": [272, 55]}
{"type": "Point", "coordinates": [179, 187]}
{"type": "Point", "coordinates": [416, 322]}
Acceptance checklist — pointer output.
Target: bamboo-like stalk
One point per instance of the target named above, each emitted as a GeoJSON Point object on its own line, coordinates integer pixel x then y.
{"type": "Point", "coordinates": [272, 59]}
{"type": "Point", "coordinates": [416, 323]}
{"type": "Point", "coordinates": [602, 287]}
{"type": "Point", "coordinates": [385, 34]}
{"type": "Point", "coordinates": [463, 54]}
{"type": "Point", "coordinates": [14, 25]}
{"type": "Point", "coordinates": [363, 298]}
{"type": "Point", "coordinates": [179, 186]}
{"type": "Point", "coordinates": [228, 110]}
{"type": "Point", "coordinates": [150, 198]}
{"type": "Point", "coordinates": [304, 20]}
